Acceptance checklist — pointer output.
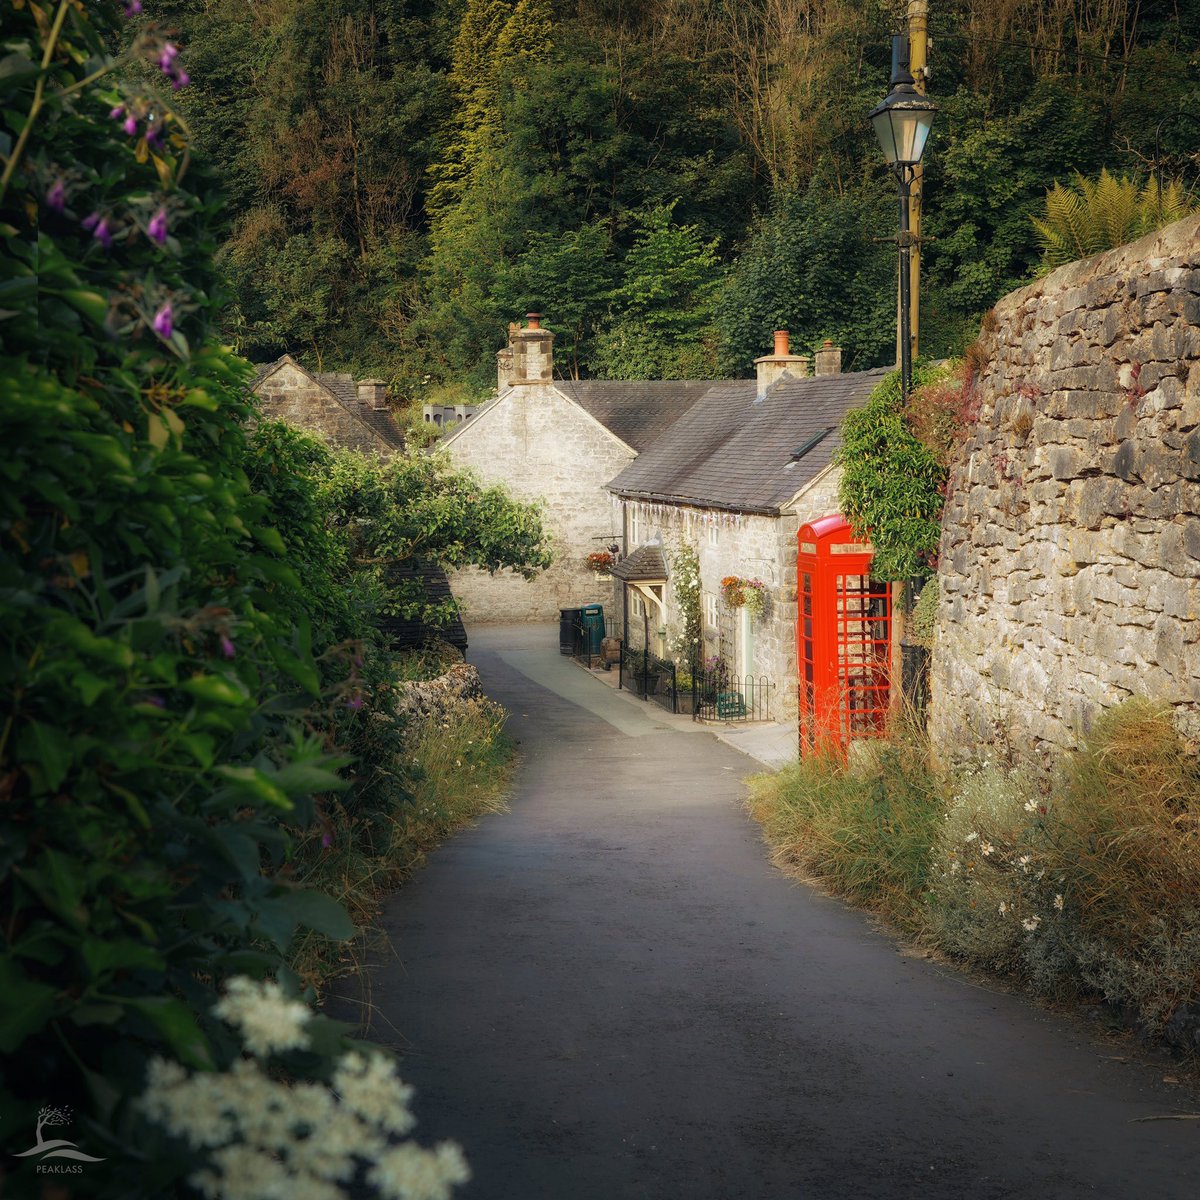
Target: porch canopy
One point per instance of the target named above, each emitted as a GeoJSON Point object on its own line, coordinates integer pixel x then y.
{"type": "Point", "coordinates": [645, 572]}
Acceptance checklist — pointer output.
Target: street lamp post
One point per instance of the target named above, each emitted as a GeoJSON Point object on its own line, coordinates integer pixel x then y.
{"type": "Point", "coordinates": [902, 122]}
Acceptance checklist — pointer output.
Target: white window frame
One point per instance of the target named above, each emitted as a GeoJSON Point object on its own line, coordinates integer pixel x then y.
{"type": "Point", "coordinates": [714, 534]}
{"type": "Point", "coordinates": [709, 612]}
{"type": "Point", "coordinates": [638, 606]}
{"type": "Point", "coordinates": [635, 527]}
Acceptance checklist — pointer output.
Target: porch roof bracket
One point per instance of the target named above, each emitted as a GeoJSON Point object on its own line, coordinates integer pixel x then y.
{"type": "Point", "coordinates": [654, 593]}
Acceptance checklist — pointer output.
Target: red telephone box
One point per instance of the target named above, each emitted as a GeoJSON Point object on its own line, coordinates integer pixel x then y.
{"type": "Point", "coordinates": [843, 637]}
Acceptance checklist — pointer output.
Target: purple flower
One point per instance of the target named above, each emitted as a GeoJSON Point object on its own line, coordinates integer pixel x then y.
{"type": "Point", "coordinates": [102, 233]}
{"type": "Point", "coordinates": [227, 647]}
{"type": "Point", "coordinates": [133, 7]}
{"type": "Point", "coordinates": [154, 136]}
{"type": "Point", "coordinates": [118, 112]}
{"type": "Point", "coordinates": [157, 229]}
{"type": "Point", "coordinates": [91, 220]}
{"type": "Point", "coordinates": [156, 701]}
{"type": "Point", "coordinates": [326, 840]}
{"type": "Point", "coordinates": [167, 57]}
{"type": "Point", "coordinates": [164, 325]}
{"type": "Point", "coordinates": [181, 81]}
{"type": "Point", "coordinates": [354, 703]}
{"type": "Point", "coordinates": [56, 196]}
{"type": "Point", "coordinates": [130, 125]}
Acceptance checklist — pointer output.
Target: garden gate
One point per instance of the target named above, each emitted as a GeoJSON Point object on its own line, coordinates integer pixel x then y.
{"type": "Point", "coordinates": [843, 637]}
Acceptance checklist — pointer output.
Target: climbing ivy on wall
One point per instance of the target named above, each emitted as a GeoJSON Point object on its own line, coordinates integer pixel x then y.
{"type": "Point", "coordinates": [893, 484]}
{"type": "Point", "coordinates": [685, 579]}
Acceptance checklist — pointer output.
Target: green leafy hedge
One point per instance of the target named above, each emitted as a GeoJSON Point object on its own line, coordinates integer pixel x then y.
{"type": "Point", "coordinates": [893, 484]}
{"type": "Point", "coordinates": [183, 608]}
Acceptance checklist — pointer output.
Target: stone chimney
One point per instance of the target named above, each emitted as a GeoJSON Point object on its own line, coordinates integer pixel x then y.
{"type": "Point", "coordinates": [504, 369]}
{"type": "Point", "coordinates": [532, 353]}
{"type": "Point", "coordinates": [772, 367]}
{"type": "Point", "coordinates": [829, 359]}
{"type": "Point", "coordinates": [372, 393]}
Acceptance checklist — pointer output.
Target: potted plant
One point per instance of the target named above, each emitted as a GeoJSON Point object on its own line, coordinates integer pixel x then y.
{"type": "Point", "coordinates": [600, 563]}
{"type": "Point", "coordinates": [750, 594]}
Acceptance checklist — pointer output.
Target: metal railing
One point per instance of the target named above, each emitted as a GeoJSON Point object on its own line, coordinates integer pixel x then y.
{"type": "Point", "coordinates": [716, 694]}
{"type": "Point", "coordinates": [650, 677]}
{"type": "Point", "coordinates": [583, 652]}
{"type": "Point", "coordinates": [713, 694]}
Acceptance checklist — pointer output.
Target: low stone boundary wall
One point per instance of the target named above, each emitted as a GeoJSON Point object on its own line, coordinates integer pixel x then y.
{"type": "Point", "coordinates": [434, 699]}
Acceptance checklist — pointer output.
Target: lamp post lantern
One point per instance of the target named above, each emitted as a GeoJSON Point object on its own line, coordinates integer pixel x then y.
{"type": "Point", "coordinates": [902, 122]}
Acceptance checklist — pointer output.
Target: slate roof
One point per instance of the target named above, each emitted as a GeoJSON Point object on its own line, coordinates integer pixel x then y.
{"type": "Point", "coordinates": [646, 562]}
{"type": "Point", "coordinates": [638, 412]}
{"type": "Point", "coordinates": [732, 451]}
{"type": "Point", "coordinates": [403, 634]}
{"type": "Point", "coordinates": [378, 421]}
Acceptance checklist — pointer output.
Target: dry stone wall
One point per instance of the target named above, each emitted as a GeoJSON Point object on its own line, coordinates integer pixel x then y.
{"type": "Point", "coordinates": [1070, 557]}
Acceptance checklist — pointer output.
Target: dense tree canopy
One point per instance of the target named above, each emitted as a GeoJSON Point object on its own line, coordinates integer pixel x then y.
{"type": "Point", "coordinates": [405, 177]}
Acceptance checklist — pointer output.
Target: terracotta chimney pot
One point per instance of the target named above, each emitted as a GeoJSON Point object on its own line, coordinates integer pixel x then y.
{"type": "Point", "coordinates": [781, 343]}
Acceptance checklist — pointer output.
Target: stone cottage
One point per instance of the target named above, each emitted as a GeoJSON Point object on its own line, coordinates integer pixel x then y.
{"type": "Point", "coordinates": [353, 416]}
{"type": "Point", "coordinates": [349, 415]}
{"type": "Point", "coordinates": [558, 442]}
{"type": "Point", "coordinates": [734, 478]}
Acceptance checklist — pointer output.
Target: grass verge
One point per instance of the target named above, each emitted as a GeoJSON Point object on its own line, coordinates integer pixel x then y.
{"type": "Point", "coordinates": [421, 782]}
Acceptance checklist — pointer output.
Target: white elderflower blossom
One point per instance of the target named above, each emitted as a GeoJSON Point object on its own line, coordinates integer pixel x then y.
{"type": "Point", "coordinates": [1030, 806]}
{"type": "Point", "coordinates": [408, 1172]}
{"type": "Point", "coordinates": [1031, 923]}
{"type": "Point", "coordinates": [1058, 901]}
{"type": "Point", "coordinates": [262, 1138]}
{"type": "Point", "coordinates": [267, 1020]}
{"type": "Point", "coordinates": [986, 848]}
{"type": "Point", "coordinates": [971, 837]}
{"type": "Point", "coordinates": [1024, 861]}
{"type": "Point", "coordinates": [370, 1087]}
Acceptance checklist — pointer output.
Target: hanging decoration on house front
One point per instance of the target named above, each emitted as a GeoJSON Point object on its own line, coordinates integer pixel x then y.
{"type": "Point", "coordinates": [750, 594]}
{"type": "Point", "coordinates": [600, 561]}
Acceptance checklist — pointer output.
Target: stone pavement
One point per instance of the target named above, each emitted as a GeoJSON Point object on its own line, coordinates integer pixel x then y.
{"type": "Point", "coordinates": [771, 743]}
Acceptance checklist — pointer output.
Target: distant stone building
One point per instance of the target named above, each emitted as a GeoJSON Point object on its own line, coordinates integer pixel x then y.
{"type": "Point", "coordinates": [734, 478]}
{"type": "Point", "coordinates": [558, 442]}
{"type": "Point", "coordinates": [353, 416]}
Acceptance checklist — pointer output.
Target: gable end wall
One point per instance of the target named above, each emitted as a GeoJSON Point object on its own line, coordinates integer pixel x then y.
{"type": "Point", "coordinates": [543, 448]}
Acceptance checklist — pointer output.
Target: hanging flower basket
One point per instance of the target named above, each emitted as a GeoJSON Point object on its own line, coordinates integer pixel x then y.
{"type": "Point", "coordinates": [750, 594]}
{"type": "Point", "coordinates": [600, 561]}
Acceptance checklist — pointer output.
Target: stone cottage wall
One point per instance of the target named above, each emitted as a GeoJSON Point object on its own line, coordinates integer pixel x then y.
{"type": "Point", "coordinates": [542, 448]}
{"type": "Point", "coordinates": [752, 547]}
{"type": "Point", "coordinates": [1070, 557]}
{"type": "Point", "coordinates": [288, 394]}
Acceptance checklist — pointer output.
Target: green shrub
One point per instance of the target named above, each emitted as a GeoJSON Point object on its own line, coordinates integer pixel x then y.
{"type": "Point", "coordinates": [892, 486]}
{"type": "Point", "coordinates": [1126, 842]}
{"type": "Point", "coordinates": [987, 864]}
{"type": "Point", "coordinates": [861, 827]}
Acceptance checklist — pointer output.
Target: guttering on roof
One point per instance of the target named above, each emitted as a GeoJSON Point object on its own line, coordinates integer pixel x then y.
{"type": "Point", "coordinates": [694, 502]}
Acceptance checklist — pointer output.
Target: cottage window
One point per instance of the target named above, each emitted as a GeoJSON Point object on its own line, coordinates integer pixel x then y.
{"type": "Point", "coordinates": [709, 602]}
{"type": "Point", "coordinates": [714, 534]}
{"type": "Point", "coordinates": [638, 606]}
{"type": "Point", "coordinates": [635, 528]}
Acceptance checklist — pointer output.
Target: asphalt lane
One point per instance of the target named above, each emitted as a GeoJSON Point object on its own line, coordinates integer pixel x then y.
{"type": "Point", "coordinates": [608, 994]}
